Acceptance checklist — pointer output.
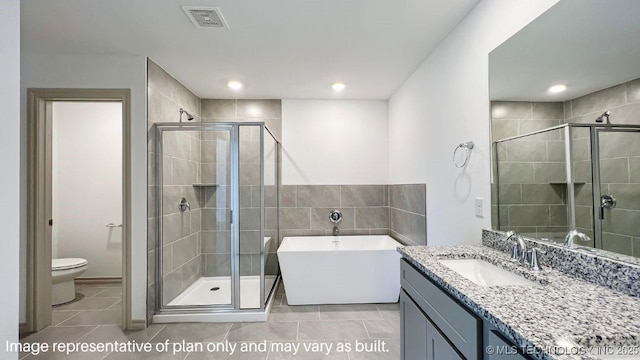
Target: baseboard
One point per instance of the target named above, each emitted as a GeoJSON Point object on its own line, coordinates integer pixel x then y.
{"type": "Point", "coordinates": [98, 280]}
{"type": "Point", "coordinates": [138, 324]}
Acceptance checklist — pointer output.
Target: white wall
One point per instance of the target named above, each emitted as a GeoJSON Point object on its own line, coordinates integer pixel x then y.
{"type": "Point", "coordinates": [446, 102]}
{"type": "Point", "coordinates": [10, 169]}
{"type": "Point", "coordinates": [328, 142]}
{"type": "Point", "coordinates": [87, 185]}
{"type": "Point", "coordinates": [78, 71]}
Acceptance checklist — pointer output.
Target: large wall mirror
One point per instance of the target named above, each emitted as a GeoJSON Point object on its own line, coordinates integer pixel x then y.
{"type": "Point", "coordinates": [565, 125]}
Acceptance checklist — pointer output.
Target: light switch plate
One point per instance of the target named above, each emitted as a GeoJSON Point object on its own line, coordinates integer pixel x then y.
{"type": "Point", "coordinates": [479, 207]}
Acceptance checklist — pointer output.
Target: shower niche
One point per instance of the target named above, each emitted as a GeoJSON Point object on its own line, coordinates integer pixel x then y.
{"type": "Point", "coordinates": [217, 228]}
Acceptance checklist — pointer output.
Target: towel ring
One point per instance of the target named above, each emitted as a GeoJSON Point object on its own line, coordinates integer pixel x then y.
{"type": "Point", "coordinates": [467, 146]}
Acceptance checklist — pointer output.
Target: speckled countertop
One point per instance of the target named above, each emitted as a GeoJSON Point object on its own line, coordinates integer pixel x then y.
{"type": "Point", "coordinates": [561, 308]}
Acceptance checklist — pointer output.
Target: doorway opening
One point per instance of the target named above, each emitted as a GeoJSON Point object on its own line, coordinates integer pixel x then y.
{"type": "Point", "coordinates": [78, 264]}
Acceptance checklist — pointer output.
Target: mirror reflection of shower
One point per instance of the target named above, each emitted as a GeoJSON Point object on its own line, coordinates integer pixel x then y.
{"type": "Point", "coordinates": [604, 116]}
{"type": "Point", "coordinates": [183, 111]}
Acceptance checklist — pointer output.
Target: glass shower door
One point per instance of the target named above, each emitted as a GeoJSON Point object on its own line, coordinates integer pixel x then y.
{"type": "Point", "coordinates": [251, 242]}
{"type": "Point", "coordinates": [195, 229]}
{"type": "Point", "coordinates": [616, 201]}
{"type": "Point", "coordinates": [217, 188]}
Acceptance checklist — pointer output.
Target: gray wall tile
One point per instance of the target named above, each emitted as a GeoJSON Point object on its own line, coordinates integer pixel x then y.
{"type": "Point", "coordinates": [542, 194]}
{"type": "Point", "coordinates": [410, 226]}
{"type": "Point", "coordinates": [510, 110]}
{"type": "Point", "coordinates": [557, 215]}
{"type": "Point", "coordinates": [530, 215]}
{"type": "Point", "coordinates": [219, 108]}
{"type": "Point", "coordinates": [603, 99]}
{"type": "Point", "coordinates": [218, 242]}
{"type": "Point", "coordinates": [372, 217]}
{"type": "Point", "coordinates": [217, 264]}
{"type": "Point", "coordinates": [617, 243]}
{"type": "Point", "coordinates": [184, 250]}
{"type": "Point", "coordinates": [510, 194]}
{"type": "Point", "coordinates": [249, 174]}
{"type": "Point", "coordinates": [633, 91]}
{"type": "Point", "coordinates": [501, 129]}
{"type": "Point", "coordinates": [526, 150]}
{"type": "Point", "coordinates": [363, 195]}
{"type": "Point", "coordinates": [250, 219]}
{"type": "Point", "coordinates": [318, 195]}
{"type": "Point", "coordinates": [515, 173]}
{"type": "Point", "coordinates": [549, 172]}
{"type": "Point", "coordinates": [288, 195]}
{"type": "Point", "coordinates": [548, 110]}
{"type": "Point", "coordinates": [295, 218]}
{"type": "Point", "coordinates": [634, 169]}
{"type": "Point", "coordinates": [527, 126]}
{"type": "Point", "coordinates": [614, 170]}
{"type": "Point", "coordinates": [623, 222]}
{"type": "Point", "coordinates": [411, 197]}
{"type": "Point", "coordinates": [627, 195]}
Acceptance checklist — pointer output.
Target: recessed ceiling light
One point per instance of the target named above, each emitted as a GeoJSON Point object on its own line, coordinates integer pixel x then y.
{"type": "Point", "coordinates": [338, 86]}
{"type": "Point", "coordinates": [557, 88]}
{"type": "Point", "coordinates": [234, 85]}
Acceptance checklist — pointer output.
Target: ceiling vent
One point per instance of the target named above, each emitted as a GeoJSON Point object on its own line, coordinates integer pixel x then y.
{"type": "Point", "coordinates": [205, 17]}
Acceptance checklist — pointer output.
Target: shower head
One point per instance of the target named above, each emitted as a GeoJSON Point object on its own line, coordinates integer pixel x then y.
{"type": "Point", "coordinates": [605, 115]}
{"type": "Point", "coordinates": [189, 116]}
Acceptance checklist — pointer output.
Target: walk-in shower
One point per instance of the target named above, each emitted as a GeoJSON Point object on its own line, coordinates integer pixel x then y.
{"type": "Point", "coordinates": [572, 176]}
{"type": "Point", "coordinates": [217, 228]}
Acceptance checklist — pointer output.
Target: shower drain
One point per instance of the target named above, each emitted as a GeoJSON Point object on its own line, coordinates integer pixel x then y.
{"type": "Point", "coordinates": [215, 288]}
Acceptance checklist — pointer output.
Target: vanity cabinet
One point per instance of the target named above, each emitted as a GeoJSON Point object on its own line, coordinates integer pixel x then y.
{"type": "Point", "coordinates": [420, 337]}
{"type": "Point", "coordinates": [435, 326]}
{"type": "Point", "coordinates": [502, 348]}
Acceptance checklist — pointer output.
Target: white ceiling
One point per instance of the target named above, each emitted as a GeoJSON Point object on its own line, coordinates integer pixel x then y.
{"type": "Point", "coordinates": [588, 45]}
{"type": "Point", "coordinates": [276, 48]}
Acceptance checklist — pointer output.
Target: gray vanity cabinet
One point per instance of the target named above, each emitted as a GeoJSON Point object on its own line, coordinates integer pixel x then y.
{"type": "Point", "coordinates": [439, 347]}
{"type": "Point", "coordinates": [501, 348]}
{"type": "Point", "coordinates": [420, 338]}
{"type": "Point", "coordinates": [435, 326]}
{"type": "Point", "coordinates": [413, 330]}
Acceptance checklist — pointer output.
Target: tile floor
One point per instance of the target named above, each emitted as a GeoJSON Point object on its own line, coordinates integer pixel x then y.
{"type": "Point", "coordinates": [93, 319]}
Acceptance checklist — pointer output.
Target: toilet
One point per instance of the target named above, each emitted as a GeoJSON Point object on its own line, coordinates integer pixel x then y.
{"type": "Point", "coordinates": [63, 273]}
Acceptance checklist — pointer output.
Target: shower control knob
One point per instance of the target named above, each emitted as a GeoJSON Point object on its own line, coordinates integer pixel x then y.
{"type": "Point", "coordinates": [608, 201]}
{"type": "Point", "coordinates": [335, 216]}
{"type": "Point", "coordinates": [183, 205]}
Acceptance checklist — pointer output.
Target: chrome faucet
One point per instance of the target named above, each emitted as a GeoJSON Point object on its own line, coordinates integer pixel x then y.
{"type": "Point", "coordinates": [568, 240]}
{"type": "Point", "coordinates": [336, 231]}
{"type": "Point", "coordinates": [519, 249]}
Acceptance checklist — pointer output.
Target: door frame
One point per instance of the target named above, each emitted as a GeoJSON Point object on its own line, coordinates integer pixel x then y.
{"type": "Point", "coordinates": [39, 198]}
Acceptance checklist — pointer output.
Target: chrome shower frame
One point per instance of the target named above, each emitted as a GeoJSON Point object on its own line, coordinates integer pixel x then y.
{"type": "Point", "coordinates": [234, 307]}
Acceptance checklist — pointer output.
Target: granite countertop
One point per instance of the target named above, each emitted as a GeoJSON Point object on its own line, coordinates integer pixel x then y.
{"type": "Point", "coordinates": [562, 308]}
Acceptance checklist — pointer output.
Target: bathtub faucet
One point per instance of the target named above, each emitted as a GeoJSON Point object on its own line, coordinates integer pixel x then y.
{"type": "Point", "coordinates": [336, 231]}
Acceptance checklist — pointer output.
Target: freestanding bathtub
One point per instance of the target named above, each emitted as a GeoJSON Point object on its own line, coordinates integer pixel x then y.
{"type": "Point", "coordinates": [353, 269]}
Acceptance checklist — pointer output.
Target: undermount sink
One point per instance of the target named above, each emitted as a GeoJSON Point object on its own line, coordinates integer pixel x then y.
{"type": "Point", "coordinates": [484, 273]}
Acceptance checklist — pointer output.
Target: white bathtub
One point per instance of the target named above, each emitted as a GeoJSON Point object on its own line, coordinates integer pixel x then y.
{"type": "Point", "coordinates": [355, 269]}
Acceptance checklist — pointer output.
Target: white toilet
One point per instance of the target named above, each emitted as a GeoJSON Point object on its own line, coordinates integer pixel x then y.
{"type": "Point", "coordinates": [63, 273]}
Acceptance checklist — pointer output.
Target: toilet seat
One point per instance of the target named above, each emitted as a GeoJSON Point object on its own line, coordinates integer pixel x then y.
{"type": "Point", "coordinates": [67, 263]}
